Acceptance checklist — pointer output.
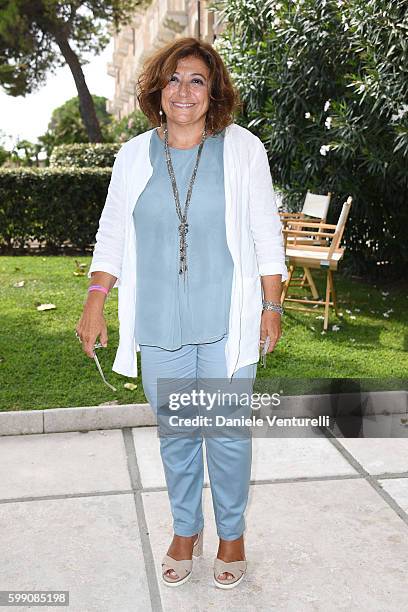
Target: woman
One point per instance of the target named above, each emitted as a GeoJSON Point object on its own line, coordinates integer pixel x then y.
{"type": "Point", "coordinates": [190, 235]}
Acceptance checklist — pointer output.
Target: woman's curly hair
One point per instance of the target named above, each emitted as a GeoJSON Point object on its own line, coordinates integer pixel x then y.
{"type": "Point", "coordinates": [158, 69]}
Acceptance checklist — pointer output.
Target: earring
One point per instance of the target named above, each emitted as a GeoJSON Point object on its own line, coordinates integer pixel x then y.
{"type": "Point", "coordinates": [161, 117]}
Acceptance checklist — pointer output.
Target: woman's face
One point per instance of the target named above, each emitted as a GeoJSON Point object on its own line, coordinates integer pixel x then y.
{"type": "Point", "coordinates": [185, 99]}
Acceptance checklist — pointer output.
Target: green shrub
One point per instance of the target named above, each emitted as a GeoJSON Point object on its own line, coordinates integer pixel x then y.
{"type": "Point", "coordinates": [55, 205]}
{"type": "Point", "coordinates": [85, 155]}
{"type": "Point", "coordinates": [324, 84]}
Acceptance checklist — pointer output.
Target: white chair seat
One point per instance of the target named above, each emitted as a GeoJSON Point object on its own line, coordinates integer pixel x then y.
{"type": "Point", "coordinates": [315, 255]}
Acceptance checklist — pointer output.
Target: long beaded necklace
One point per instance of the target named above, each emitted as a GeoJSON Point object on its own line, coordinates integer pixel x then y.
{"type": "Point", "coordinates": [182, 215]}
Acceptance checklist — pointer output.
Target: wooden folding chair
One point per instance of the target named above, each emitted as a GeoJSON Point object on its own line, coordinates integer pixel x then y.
{"type": "Point", "coordinates": [311, 256]}
{"type": "Point", "coordinates": [315, 207]}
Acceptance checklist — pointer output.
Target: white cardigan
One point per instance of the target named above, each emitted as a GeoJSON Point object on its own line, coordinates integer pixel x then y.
{"type": "Point", "coordinates": [253, 232]}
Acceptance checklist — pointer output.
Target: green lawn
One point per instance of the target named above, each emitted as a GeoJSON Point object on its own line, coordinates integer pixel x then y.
{"type": "Point", "coordinates": [42, 364]}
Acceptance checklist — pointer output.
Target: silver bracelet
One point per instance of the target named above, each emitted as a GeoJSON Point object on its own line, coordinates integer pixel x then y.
{"type": "Point", "coordinates": [275, 306]}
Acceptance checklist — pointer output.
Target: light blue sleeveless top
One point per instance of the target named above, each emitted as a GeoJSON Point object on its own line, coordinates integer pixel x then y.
{"type": "Point", "coordinates": [169, 312]}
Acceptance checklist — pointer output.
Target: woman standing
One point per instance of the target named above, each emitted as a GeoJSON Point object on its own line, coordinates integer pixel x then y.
{"type": "Point", "coordinates": [190, 235]}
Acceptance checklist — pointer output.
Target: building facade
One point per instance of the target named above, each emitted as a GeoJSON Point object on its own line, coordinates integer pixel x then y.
{"type": "Point", "coordinates": [159, 23]}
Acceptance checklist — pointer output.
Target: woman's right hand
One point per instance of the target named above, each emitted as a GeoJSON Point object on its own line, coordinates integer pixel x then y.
{"type": "Point", "coordinates": [91, 326]}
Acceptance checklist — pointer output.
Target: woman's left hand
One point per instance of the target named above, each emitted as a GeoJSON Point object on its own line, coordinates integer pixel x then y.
{"type": "Point", "coordinates": [270, 326]}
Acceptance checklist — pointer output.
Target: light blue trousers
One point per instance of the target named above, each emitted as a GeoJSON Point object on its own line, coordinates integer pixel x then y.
{"type": "Point", "coordinates": [228, 457]}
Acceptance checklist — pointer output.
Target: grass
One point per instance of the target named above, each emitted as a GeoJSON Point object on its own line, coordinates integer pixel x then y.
{"type": "Point", "coordinates": [42, 364]}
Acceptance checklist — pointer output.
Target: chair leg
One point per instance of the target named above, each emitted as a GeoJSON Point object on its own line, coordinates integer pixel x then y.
{"type": "Point", "coordinates": [333, 293]}
{"type": "Point", "coordinates": [286, 283]}
{"type": "Point", "coordinates": [313, 289]}
{"type": "Point", "coordinates": [327, 301]}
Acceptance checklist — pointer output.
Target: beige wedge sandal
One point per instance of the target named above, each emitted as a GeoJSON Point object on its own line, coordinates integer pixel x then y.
{"type": "Point", "coordinates": [183, 568]}
{"type": "Point", "coordinates": [236, 568]}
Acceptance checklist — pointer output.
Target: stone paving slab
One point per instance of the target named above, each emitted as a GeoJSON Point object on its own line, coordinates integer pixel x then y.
{"type": "Point", "coordinates": [89, 546]}
{"type": "Point", "coordinates": [379, 455]}
{"type": "Point", "coordinates": [398, 489]}
{"type": "Point", "coordinates": [280, 458]}
{"type": "Point", "coordinates": [98, 417]}
{"type": "Point", "coordinates": [81, 418]}
{"type": "Point", "coordinates": [385, 426]}
{"type": "Point", "coordinates": [14, 422]}
{"type": "Point", "coordinates": [62, 463]}
{"type": "Point", "coordinates": [311, 546]}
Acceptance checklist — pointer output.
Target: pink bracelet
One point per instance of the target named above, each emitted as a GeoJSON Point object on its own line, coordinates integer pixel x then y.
{"type": "Point", "coordinates": [98, 288]}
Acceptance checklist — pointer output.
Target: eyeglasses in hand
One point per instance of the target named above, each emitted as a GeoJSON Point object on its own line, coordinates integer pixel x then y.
{"type": "Point", "coordinates": [98, 365]}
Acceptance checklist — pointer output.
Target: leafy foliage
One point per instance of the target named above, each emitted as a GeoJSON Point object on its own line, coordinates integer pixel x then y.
{"type": "Point", "coordinates": [56, 205]}
{"type": "Point", "coordinates": [24, 153]}
{"type": "Point", "coordinates": [97, 154]}
{"type": "Point", "coordinates": [325, 85]}
{"type": "Point", "coordinates": [66, 126]}
{"type": "Point", "coordinates": [85, 155]}
{"type": "Point", "coordinates": [133, 124]}
{"type": "Point", "coordinates": [4, 155]}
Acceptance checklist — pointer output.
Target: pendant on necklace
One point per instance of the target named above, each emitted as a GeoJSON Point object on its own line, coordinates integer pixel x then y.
{"type": "Point", "coordinates": [183, 229]}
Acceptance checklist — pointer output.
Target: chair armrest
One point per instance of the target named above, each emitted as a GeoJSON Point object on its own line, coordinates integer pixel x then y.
{"type": "Point", "coordinates": [307, 233]}
{"type": "Point", "coordinates": [289, 215]}
{"type": "Point", "coordinates": [314, 224]}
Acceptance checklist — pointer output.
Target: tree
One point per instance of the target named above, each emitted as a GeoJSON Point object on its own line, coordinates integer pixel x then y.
{"type": "Point", "coordinates": [66, 125]}
{"type": "Point", "coordinates": [324, 84]}
{"type": "Point", "coordinates": [4, 154]}
{"type": "Point", "coordinates": [33, 31]}
{"type": "Point", "coordinates": [26, 153]}
{"type": "Point", "coordinates": [133, 124]}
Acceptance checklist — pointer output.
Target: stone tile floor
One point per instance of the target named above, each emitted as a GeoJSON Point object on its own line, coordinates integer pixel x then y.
{"type": "Point", "coordinates": [327, 524]}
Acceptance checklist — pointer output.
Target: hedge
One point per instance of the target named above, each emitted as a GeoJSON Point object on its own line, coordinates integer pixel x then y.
{"type": "Point", "coordinates": [86, 155]}
{"type": "Point", "coordinates": [54, 205]}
